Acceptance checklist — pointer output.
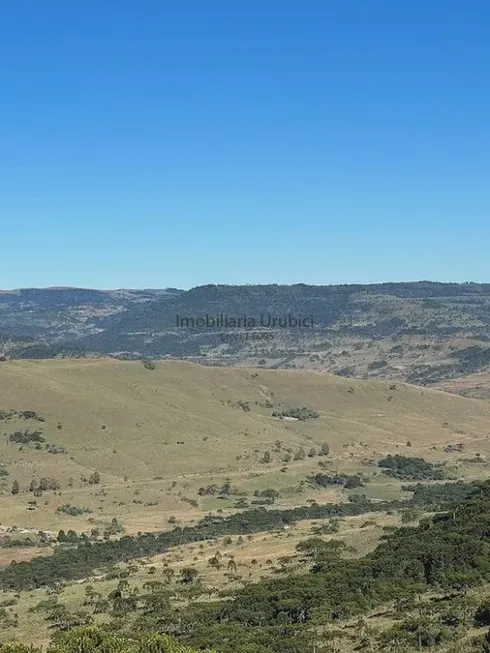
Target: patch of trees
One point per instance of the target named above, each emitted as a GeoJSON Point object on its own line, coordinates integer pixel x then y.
{"type": "Point", "coordinates": [348, 481]}
{"type": "Point", "coordinates": [412, 469]}
{"type": "Point", "coordinates": [70, 537]}
{"type": "Point", "coordinates": [26, 437]}
{"type": "Point", "coordinates": [266, 458]}
{"type": "Point", "coordinates": [327, 528]}
{"type": "Point", "coordinates": [48, 484]}
{"type": "Point", "coordinates": [44, 485]}
{"type": "Point", "coordinates": [35, 437]}
{"type": "Point", "coordinates": [324, 450]}
{"type": "Point", "coordinates": [7, 415]}
{"type": "Point", "coordinates": [265, 497]}
{"type": "Point", "coordinates": [300, 454]}
{"type": "Point", "coordinates": [266, 501]}
{"type": "Point", "coordinates": [114, 528]}
{"type": "Point", "coordinates": [298, 413]}
{"type": "Point", "coordinates": [42, 350]}
{"type": "Point", "coordinates": [73, 511]}
{"type": "Point", "coordinates": [348, 371]}
{"type": "Point", "coordinates": [285, 614]}
{"type": "Point", "coordinates": [225, 490]}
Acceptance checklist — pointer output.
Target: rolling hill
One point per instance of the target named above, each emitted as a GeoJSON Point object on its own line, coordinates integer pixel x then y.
{"type": "Point", "coordinates": [158, 438]}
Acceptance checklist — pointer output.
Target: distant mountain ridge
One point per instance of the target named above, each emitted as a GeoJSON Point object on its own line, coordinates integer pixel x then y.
{"type": "Point", "coordinates": [423, 332]}
{"type": "Point", "coordinates": [64, 313]}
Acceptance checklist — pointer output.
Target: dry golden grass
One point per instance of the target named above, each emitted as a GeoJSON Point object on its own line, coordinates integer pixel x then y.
{"type": "Point", "coordinates": [157, 436]}
{"type": "Point", "coordinates": [21, 554]}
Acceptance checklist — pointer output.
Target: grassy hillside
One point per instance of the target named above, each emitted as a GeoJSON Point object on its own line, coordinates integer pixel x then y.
{"type": "Point", "coordinates": [158, 440]}
{"type": "Point", "coordinates": [150, 448]}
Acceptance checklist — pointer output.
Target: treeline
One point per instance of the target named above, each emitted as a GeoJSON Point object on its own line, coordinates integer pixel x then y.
{"type": "Point", "coordinates": [408, 468]}
{"type": "Point", "coordinates": [90, 556]}
{"type": "Point", "coordinates": [87, 557]}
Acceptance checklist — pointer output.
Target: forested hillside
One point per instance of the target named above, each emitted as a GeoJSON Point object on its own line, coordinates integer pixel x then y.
{"type": "Point", "coordinates": [422, 332]}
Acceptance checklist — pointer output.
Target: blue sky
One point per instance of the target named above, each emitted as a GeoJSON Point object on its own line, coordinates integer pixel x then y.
{"type": "Point", "coordinates": [159, 143]}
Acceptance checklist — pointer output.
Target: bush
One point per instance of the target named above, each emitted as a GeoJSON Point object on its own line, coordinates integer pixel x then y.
{"type": "Point", "coordinates": [73, 511]}
{"type": "Point", "coordinates": [48, 484]}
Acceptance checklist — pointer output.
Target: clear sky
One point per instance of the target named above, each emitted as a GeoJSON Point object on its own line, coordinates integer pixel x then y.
{"type": "Point", "coordinates": [156, 143]}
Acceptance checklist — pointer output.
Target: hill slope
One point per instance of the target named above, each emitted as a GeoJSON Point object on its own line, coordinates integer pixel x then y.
{"type": "Point", "coordinates": [157, 436]}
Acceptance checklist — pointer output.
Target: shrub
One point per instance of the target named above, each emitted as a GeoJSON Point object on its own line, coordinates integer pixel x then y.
{"type": "Point", "coordinates": [73, 511]}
